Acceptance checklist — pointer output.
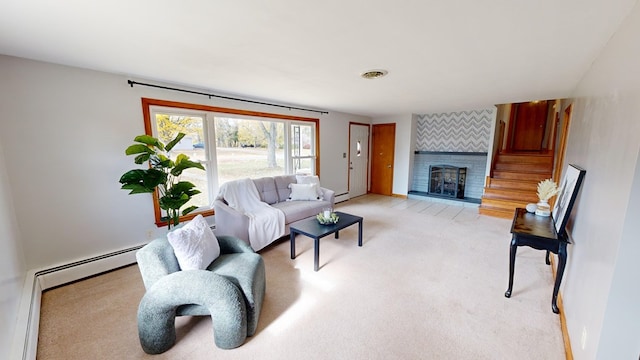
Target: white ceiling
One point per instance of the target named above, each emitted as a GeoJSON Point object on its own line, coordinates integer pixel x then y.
{"type": "Point", "coordinates": [441, 55]}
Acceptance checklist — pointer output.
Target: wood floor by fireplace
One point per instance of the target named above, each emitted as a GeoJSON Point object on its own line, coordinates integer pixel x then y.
{"type": "Point", "coordinates": [447, 180]}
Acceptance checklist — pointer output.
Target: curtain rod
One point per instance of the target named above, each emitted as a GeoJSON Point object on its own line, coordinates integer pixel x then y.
{"type": "Point", "coordinates": [131, 83]}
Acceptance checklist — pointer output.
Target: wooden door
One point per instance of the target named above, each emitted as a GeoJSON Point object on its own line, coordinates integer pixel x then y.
{"type": "Point", "coordinates": [358, 159]}
{"type": "Point", "coordinates": [382, 152]}
{"type": "Point", "coordinates": [529, 125]}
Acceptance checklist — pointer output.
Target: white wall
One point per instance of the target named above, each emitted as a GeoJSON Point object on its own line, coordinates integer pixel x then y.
{"type": "Point", "coordinates": [402, 152]}
{"type": "Point", "coordinates": [12, 266]}
{"type": "Point", "coordinates": [621, 326]}
{"type": "Point", "coordinates": [604, 139]}
{"type": "Point", "coordinates": [334, 143]}
{"type": "Point", "coordinates": [64, 134]}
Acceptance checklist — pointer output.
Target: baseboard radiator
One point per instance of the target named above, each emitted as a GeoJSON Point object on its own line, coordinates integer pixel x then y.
{"type": "Point", "coordinates": [25, 344]}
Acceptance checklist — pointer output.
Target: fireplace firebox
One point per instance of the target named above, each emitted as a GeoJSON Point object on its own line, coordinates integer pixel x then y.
{"type": "Point", "coordinates": [446, 180]}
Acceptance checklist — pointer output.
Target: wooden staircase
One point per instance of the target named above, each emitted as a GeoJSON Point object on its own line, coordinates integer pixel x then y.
{"type": "Point", "coordinates": [514, 182]}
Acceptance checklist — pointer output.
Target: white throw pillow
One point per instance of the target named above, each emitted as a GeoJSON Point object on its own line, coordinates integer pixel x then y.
{"type": "Point", "coordinates": [194, 244]}
{"type": "Point", "coordinates": [303, 192]}
{"type": "Point", "coordinates": [311, 179]}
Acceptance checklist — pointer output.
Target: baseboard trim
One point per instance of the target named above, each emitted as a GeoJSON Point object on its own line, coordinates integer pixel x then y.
{"type": "Point", "coordinates": [568, 352]}
{"type": "Point", "coordinates": [341, 197]}
{"type": "Point", "coordinates": [25, 342]}
{"type": "Point", "coordinates": [401, 196]}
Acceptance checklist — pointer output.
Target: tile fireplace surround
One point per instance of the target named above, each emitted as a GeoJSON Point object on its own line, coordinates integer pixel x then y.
{"type": "Point", "coordinates": [475, 163]}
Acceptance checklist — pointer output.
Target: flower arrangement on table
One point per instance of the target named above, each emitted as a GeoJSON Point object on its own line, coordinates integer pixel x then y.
{"type": "Point", "coordinates": [546, 190]}
{"type": "Point", "coordinates": [327, 218]}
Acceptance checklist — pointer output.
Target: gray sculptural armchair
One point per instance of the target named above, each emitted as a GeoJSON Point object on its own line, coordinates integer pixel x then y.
{"type": "Point", "coordinates": [231, 290]}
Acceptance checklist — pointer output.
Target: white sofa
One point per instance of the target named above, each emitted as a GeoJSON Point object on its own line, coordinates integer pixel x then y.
{"type": "Point", "coordinates": [274, 191]}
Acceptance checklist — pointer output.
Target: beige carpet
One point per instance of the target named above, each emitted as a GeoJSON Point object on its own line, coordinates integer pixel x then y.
{"type": "Point", "coordinates": [428, 283]}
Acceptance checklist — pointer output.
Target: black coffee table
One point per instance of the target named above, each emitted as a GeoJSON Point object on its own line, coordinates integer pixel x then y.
{"type": "Point", "coordinates": [313, 229]}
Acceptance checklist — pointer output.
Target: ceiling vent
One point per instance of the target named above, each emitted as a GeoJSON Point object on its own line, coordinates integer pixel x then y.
{"type": "Point", "coordinates": [374, 74]}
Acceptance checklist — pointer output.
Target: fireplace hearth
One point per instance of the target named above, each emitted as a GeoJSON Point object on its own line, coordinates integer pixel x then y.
{"type": "Point", "coordinates": [447, 180]}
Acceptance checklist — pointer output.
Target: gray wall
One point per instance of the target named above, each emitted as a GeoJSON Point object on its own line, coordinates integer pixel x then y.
{"type": "Point", "coordinates": [12, 265]}
{"type": "Point", "coordinates": [600, 289]}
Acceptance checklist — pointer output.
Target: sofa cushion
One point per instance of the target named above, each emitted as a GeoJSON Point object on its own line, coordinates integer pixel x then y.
{"type": "Point", "coordinates": [310, 179]}
{"type": "Point", "coordinates": [298, 210]}
{"type": "Point", "coordinates": [282, 185]}
{"type": "Point", "coordinates": [303, 192]}
{"type": "Point", "coordinates": [267, 189]}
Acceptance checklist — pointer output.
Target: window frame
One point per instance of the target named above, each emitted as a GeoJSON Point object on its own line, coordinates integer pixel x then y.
{"type": "Point", "coordinates": [148, 103]}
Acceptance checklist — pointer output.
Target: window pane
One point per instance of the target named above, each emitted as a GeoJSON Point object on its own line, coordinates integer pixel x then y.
{"type": "Point", "coordinates": [303, 166]}
{"type": "Point", "coordinates": [303, 148]}
{"type": "Point", "coordinates": [248, 148]}
{"type": "Point", "coordinates": [192, 145]}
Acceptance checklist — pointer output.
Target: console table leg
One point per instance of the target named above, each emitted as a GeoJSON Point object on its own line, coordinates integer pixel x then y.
{"type": "Point", "coordinates": [512, 263]}
{"type": "Point", "coordinates": [360, 233]}
{"type": "Point", "coordinates": [293, 245]}
{"type": "Point", "coordinates": [562, 261]}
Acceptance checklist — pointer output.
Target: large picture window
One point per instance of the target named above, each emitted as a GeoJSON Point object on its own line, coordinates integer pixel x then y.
{"type": "Point", "coordinates": [231, 144]}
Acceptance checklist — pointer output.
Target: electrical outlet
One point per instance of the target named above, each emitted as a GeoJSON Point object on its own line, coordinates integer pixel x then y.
{"type": "Point", "coordinates": [149, 234]}
{"type": "Point", "coordinates": [583, 339]}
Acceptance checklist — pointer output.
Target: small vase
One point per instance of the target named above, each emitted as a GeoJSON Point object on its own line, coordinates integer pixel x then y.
{"type": "Point", "coordinates": [543, 208]}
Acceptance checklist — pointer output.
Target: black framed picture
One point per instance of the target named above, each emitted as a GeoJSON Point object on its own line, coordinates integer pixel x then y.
{"type": "Point", "coordinates": [569, 188]}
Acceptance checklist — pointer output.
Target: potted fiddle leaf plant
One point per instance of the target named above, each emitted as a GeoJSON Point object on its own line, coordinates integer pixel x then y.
{"type": "Point", "coordinates": [163, 175]}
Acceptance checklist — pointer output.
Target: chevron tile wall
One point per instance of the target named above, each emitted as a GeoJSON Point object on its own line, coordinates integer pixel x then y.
{"type": "Point", "coordinates": [462, 131]}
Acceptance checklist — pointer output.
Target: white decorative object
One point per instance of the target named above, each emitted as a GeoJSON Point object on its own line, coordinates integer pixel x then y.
{"type": "Point", "coordinates": [194, 244]}
{"type": "Point", "coordinates": [543, 208]}
{"type": "Point", "coordinates": [531, 207]}
{"type": "Point", "coordinates": [331, 219]}
{"type": "Point", "coordinates": [546, 189]}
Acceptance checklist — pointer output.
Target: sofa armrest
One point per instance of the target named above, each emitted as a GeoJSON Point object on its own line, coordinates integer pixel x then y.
{"type": "Point", "coordinates": [329, 195]}
{"type": "Point", "coordinates": [230, 221]}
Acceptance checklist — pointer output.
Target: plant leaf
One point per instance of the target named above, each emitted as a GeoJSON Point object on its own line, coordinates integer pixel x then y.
{"type": "Point", "coordinates": [173, 202]}
{"type": "Point", "coordinates": [136, 189]}
{"type": "Point", "coordinates": [188, 210]}
{"type": "Point", "coordinates": [149, 140]}
{"type": "Point", "coordinates": [184, 164]}
{"type": "Point", "coordinates": [138, 149]}
{"type": "Point", "coordinates": [180, 188]}
{"type": "Point", "coordinates": [173, 142]}
{"type": "Point", "coordinates": [142, 158]}
{"type": "Point", "coordinates": [132, 176]}
{"type": "Point", "coordinates": [154, 177]}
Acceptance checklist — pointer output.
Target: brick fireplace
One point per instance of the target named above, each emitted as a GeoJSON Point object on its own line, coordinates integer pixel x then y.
{"type": "Point", "coordinates": [474, 164]}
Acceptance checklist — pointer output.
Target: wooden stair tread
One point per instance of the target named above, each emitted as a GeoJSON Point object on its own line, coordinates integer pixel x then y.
{"type": "Point", "coordinates": [511, 194]}
{"type": "Point", "coordinates": [505, 174]}
{"type": "Point", "coordinates": [529, 185]}
{"type": "Point", "coordinates": [514, 182]}
{"type": "Point", "coordinates": [496, 212]}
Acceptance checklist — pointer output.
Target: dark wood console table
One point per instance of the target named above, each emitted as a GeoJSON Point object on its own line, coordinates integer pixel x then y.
{"type": "Point", "coordinates": [539, 233]}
